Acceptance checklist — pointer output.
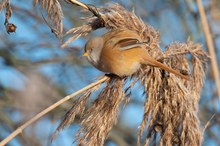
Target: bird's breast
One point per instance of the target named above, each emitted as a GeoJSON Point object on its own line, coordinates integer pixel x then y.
{"type": "Point", "coordinates": [121, 63]}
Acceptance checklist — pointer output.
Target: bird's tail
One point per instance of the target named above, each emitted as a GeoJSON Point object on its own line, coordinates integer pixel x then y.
{"type": "Point", "coordinates": [151, 61]}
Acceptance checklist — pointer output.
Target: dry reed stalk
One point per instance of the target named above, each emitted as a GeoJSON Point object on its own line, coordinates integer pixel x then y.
{"type": "Point", "coordinates": [171, 106]}
{"type": "Point", "coordinates": [50, 108]}
{"type": "Point", "coordinates": [210, 45]}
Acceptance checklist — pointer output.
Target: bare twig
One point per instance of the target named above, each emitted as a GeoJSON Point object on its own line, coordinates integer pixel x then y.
{"type": "Point", "coordinates": [75, 2]}
{"type": "Point", "coordinates": [47, 110]}
{"type": "Point", "coordinates": [208, 123]}
{"type": "Point", "coordinates": [210, 45]}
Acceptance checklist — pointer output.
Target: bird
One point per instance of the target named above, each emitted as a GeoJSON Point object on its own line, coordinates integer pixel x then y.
{"type": "Point", "coordinates": [121, 52]}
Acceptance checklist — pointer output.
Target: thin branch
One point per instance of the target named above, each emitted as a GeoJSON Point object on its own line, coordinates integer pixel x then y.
{"type": "Point", "coordinates": [88, 7]}
{"type": "Point", "coordinates": [208, 123]}
{"type": "Point", "coordinates": [210, 45]}
{"type": "Point", "coordinates": [47, 110]}
{"type": "Point", "coordinates": [75, 2]}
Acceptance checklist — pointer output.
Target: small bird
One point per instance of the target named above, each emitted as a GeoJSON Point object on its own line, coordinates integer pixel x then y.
{"type": "Point", "coordinates": [121, 52]}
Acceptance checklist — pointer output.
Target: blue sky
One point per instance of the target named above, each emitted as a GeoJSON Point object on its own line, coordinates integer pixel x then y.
{"type": "Point", "coordinates": [168, 22]}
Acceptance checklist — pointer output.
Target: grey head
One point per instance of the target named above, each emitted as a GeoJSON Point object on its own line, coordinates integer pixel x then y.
{"type": "Point", "coordinates": [93, 49]}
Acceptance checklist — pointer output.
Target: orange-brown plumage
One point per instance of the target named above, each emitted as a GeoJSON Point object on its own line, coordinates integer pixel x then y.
{"type": "Point", "coordinates": [121, 52]}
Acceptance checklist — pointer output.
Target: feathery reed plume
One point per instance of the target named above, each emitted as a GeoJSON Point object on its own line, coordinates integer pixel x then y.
{"type": "Point", "coordinates": [50, 108]}
{"type": "Point", "coordinates": [99, 119]}
{"type": "Point", "coordinates": [54, 15]}
{"type": "Point", "coordinates": [2, 5]}
{"type": "Point", "coordinates": [78, 107]}
{"type": "Point", "coordinates": [10, 27]}
{"type": "Point", "coordinates": [171, 106]}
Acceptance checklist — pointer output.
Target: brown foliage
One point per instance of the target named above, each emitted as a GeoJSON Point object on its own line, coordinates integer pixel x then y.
{"type": "Point", "coordinates": [171, 106]}
{"type": "Point", "coordinates": [54, 15]}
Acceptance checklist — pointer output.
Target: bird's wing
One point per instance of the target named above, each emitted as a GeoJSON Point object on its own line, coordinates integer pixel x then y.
{"type": "Point", "coordinates": [126, 43]}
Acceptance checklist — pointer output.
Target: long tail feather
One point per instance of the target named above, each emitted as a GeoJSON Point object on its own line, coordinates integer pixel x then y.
{"type": "Point", "coordinates": [151, 61]}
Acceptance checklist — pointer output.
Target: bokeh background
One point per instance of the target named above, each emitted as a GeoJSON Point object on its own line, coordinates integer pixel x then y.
{"type": "Point", "coordinates": [35, 72]}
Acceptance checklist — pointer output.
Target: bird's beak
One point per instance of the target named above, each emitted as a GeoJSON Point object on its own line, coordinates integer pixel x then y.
{"type": "Point", "coordinates": [85, 54]}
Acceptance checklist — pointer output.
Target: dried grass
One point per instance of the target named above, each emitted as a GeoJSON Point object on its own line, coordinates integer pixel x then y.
{"type": "Point", "coordinates": [54, 15]}
{"type": "Point", "coordinates": [171, 106]}
{"type": "Point", "coordinates": [6, 4]}
{"type": "Point", "coordinates": [2, 5]}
